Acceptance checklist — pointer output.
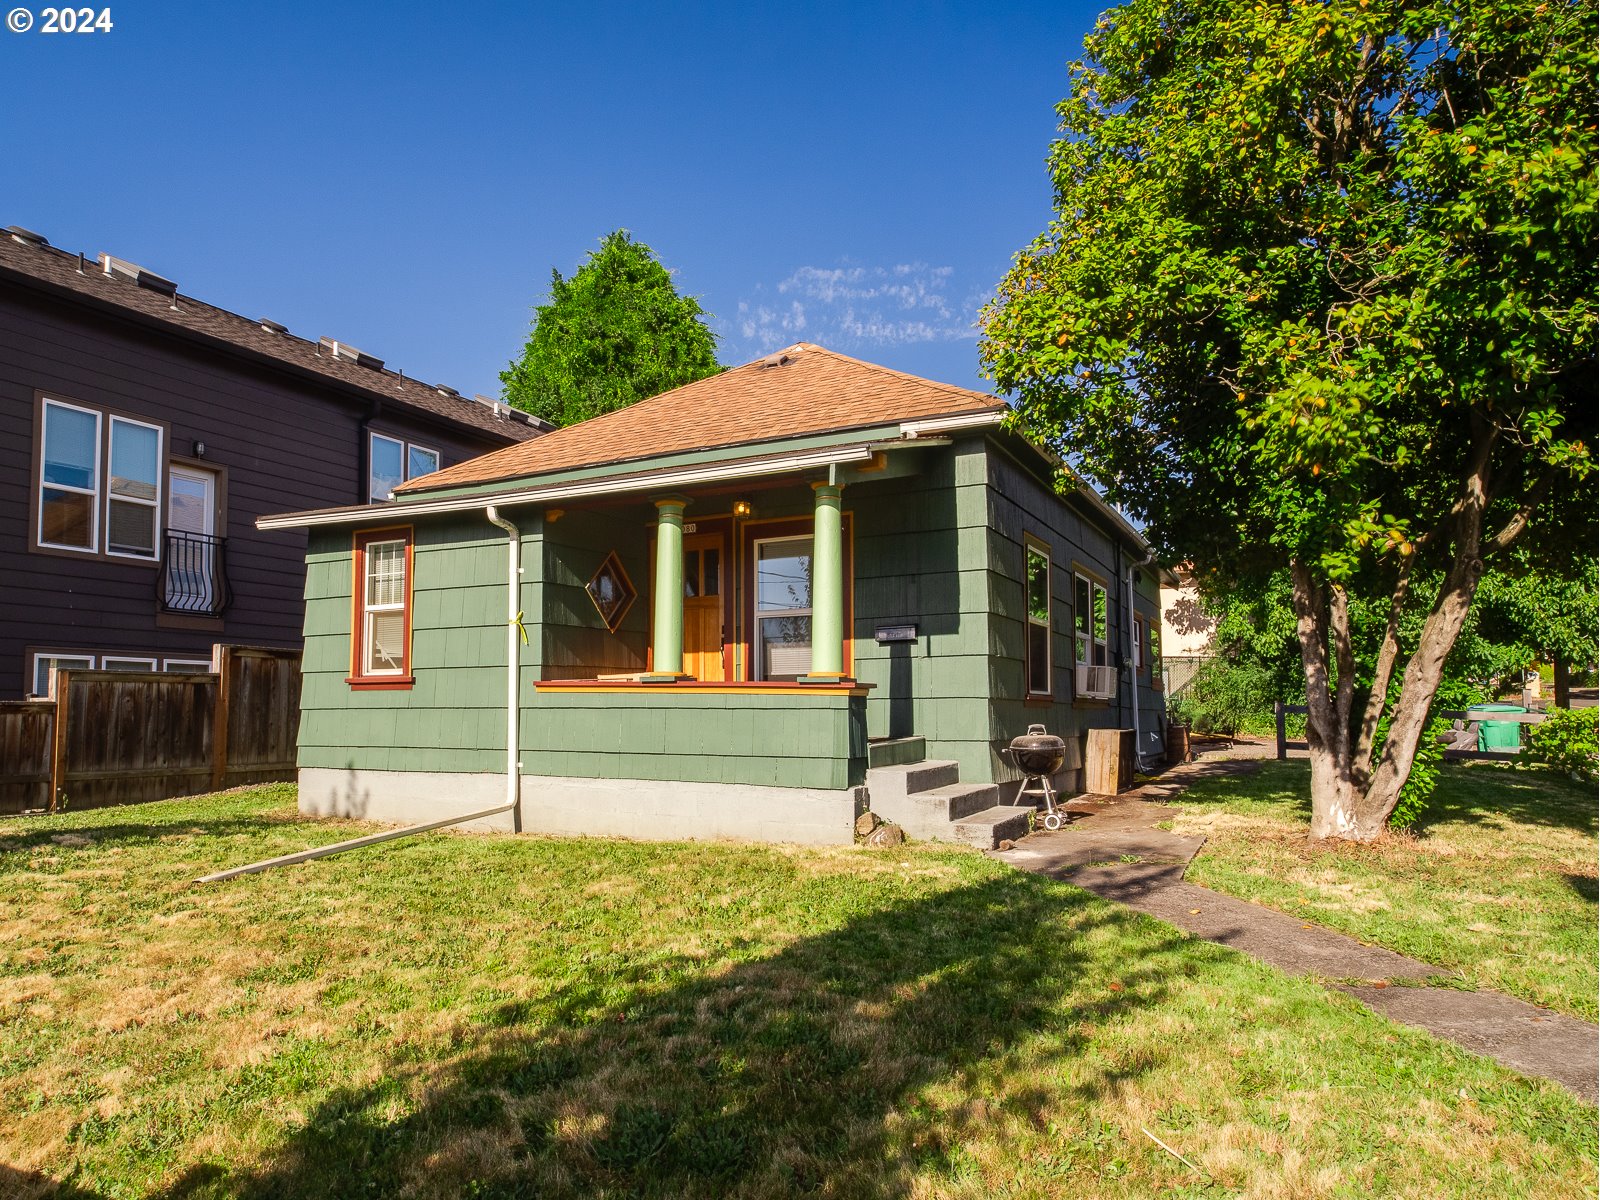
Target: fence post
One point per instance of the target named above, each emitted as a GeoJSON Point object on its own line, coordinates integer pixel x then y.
{"type": "Point", "coordinates": [1283, 730]}
{"type": "Point", "coordinates": [58, 747]}
{"type": "Point", "coordinates": [222, 660]}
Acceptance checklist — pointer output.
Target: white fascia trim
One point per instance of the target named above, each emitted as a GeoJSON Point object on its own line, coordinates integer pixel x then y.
{"type": "Point", "coordinates": [938, 425]}
{"type": "Point", "coordinates": [653, 482]}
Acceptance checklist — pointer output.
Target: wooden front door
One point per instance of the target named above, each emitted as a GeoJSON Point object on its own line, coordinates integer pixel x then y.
{"type": "Point", "coordinates": [704, 571]}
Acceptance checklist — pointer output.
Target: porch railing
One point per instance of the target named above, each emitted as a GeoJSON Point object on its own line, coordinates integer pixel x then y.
{"type": "Point", "coordinates": [194, 577]}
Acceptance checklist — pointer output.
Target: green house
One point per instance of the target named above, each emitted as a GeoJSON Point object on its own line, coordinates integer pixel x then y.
{"type": "Point", "coordinates": [751, 607]}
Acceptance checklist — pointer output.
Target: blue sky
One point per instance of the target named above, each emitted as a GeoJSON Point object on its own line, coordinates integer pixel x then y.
{"type": "Point", "coordinates": [403, 177]}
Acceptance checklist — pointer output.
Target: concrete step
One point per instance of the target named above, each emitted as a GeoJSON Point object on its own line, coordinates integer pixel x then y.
{"type": "Point", "coordinates": [895, 752]}
{"type": "Point", "coordinates": [930, 815]}
{"type": "Point", "coordinates": [905, 779]}
{"type": "Point", "coordinates": [987, 829]}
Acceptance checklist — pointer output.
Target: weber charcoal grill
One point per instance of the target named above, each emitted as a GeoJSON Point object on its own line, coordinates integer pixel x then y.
{"type": "Point", "coordinates": [1039, 755]}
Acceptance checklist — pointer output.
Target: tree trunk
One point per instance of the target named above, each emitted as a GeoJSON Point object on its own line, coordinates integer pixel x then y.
{"type": "Point", "coordinates": [1332, 795]}
{"type": "Point", "coordinates": [1562, 682]}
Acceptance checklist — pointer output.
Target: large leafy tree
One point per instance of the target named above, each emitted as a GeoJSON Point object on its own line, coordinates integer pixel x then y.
{"type": "Point", "coordinates": [616, 332]}
{"type": "Point", "coordinates": [1319, 297]}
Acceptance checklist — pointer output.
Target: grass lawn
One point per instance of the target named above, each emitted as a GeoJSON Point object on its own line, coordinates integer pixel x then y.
{"type": "Point", "coordinates": [1496, 884]}
{"type": "Point", "coordinates": [484, 1016]}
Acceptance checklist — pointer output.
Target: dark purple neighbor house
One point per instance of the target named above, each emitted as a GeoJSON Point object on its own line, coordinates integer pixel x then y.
{"type": "Point", "coordinates": [142, 432]}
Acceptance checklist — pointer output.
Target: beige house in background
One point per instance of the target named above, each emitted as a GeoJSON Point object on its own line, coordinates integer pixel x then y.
{"type": "Point", "coordinates": [1186, 628]}
{"type": "Point", "coordinates": [1186, 631]}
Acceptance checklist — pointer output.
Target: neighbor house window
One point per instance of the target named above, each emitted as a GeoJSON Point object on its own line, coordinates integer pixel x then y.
{"type": "Point", "coordinates": [112, 662]}
{"type": "Point", "coordinates": [62, 662]}
{"type": "Point", "coordinates": [392, 461]}
{"type": "Point", "coordinates": [99, 482]}
{"type": "Point", "coordinates": [133, 492]}
{"type": "Point", "coordinates": [186, 666]}
{"type": "Point", "coordinates": [1139, 658]}
{"type": "Point", "coordinates": [1037, 583]}
{"type": "Point", "coordinates": [382, 637]}
{"type": "Point", "coordinates": [783, 608]}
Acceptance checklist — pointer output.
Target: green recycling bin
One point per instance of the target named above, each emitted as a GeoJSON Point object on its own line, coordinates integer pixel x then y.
{"type": "Point", "coordinates": [1498, 735]}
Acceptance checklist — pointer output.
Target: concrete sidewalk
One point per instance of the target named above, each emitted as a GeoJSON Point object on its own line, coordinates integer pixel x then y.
{"type": "Point", "coordinates": [1113, 848]}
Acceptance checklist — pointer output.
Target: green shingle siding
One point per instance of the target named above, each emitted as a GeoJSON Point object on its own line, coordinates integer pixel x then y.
{"type": "Point", "coordinates": [786, 741]}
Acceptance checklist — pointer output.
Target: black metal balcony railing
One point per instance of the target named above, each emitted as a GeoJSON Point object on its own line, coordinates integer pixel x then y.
{"type": "Point", "coordinates": [194, 577]}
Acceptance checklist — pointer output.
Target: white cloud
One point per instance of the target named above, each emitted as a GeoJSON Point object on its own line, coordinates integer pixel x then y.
{"type": "Point", "coordinates": [853, 307]}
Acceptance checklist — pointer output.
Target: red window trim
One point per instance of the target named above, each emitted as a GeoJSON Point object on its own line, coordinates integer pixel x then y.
{"type": "Point", "coordinates": [360, 540]}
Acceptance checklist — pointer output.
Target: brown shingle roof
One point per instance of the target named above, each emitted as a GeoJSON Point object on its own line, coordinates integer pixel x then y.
{"type": "Point", "coordinates": [58, 272]}
{"type": "Point", "coordinates": [814, 391]}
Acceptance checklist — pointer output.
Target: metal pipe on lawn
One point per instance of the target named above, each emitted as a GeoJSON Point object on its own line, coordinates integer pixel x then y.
{"type": "Point", "coordinates": [513, 659]}
{"type": "Point", "coordinates": [1133, 656]}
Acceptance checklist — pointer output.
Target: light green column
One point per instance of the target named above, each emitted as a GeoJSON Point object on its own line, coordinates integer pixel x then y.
{"type": "Point", "coordinates": [666, 641]}
{"type": "Point", "coordinates": [827, 587]}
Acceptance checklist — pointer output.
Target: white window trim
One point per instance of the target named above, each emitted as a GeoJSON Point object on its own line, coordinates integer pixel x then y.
{"type": "Point", "coordinates": [369, 610]}
{"type": "Point", "coordinates": [55, 655]}
{"type": "Point", "coordinates": [94, 492]}
{"type": "Point", "coordinates": [156, 504]}
{"type": "Point", "coordinates": [1033, 546]}
{"type": "Point", "coordinates": [763, 614]}
{"type": "Point", "coordinates": [1140, 632]}
{"type": "Point", "coordinates": [406, 447]}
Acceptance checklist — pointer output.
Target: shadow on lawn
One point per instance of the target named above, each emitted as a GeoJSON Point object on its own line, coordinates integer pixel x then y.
{"type": "Point", "coordinates": [124, 832]}
{"type": "Point", "coordinates": [1478, 792]}
{"type": "Point", "coordinates": [777, 1076]}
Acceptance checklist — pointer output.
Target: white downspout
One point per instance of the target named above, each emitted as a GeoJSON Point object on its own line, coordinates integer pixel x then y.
{"type": "Point", "coordinates": [1133, 658]}
{"type": "Point", "coordinates": [513, 661]}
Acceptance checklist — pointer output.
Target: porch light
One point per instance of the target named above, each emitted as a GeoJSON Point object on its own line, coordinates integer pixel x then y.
{"type": "Point", "coordinates": [743, 509]}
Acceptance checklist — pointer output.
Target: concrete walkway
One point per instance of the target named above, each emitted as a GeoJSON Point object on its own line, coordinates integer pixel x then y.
{"type": "Point", "coordinates": [1113, 848]}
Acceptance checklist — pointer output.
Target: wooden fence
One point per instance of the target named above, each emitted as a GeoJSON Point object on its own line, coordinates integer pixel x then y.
{"type": "Point", "coordinates": [118, 737]}
{"type": "Point", "coordinates": [1465, 721]}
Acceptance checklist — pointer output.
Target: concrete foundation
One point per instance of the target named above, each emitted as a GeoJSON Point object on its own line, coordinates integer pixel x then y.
{"type": "Point", "coordinates": [648, 809]}
{"type": "Point", "coordinates": [402, 797]}
{"type": "Point", "coordinates": [672, 810]}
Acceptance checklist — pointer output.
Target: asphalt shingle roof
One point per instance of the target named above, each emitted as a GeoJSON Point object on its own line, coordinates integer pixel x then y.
{"type": "Point", "coordinates": [59, 273]}
{"type": "Point", "coordinates": [813, 391]}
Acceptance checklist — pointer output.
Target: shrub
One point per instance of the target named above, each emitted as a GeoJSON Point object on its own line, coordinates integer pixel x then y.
{"type": "Point", "coordinates": [1424, 777]}
{"type": "Point", "coordinates": [1224, 696]}
{"type": "Point", "coordinates": [1566, 741]}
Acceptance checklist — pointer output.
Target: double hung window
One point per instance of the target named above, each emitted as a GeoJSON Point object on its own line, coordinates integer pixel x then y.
{"type": "Point", "coordinates": [391, 461]}
{"type": "Point", "coordinates": [1037, 584]}
{"type": "Point", "coordinates": [100, 478]}
{"type": "Point", "coordinates": [382, 637]}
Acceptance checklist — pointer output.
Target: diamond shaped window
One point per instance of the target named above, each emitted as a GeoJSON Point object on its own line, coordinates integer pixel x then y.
{"type": "Point", "coordinates": [611, 592]}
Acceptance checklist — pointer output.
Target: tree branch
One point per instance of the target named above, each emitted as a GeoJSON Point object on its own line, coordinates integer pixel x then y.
{"type": "Point", "coordinates": [1388, 653]}
{"type": "Point", "coordinates": [1512, 529]}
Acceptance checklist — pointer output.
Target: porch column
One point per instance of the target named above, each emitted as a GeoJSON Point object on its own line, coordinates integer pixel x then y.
{"type": "Point", "coordinates": [827, 587]}
{"type": "Point", "coordinates": [666, 641]}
